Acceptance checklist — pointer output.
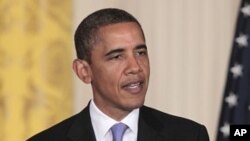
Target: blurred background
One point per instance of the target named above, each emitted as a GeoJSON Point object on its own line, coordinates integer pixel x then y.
{"type": "Point", "coordinates": [189, 43]}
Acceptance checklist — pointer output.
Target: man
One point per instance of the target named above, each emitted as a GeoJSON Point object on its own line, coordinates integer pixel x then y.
{"type": "Point", "coordinates": [112, 57]}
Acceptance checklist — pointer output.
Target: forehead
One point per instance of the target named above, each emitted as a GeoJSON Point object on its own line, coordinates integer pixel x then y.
{"type": "Point", "coordinates": [125, 31]}
{"type": "Point", "coordinates": [124, 37]}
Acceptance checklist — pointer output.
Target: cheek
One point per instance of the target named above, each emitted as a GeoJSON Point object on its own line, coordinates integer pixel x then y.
{"type": "Point", "coordinates": [109, 75]}
{"type": "Point", "coordinates": [145, 64]}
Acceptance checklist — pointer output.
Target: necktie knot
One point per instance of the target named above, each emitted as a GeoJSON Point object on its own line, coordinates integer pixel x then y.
{"type": "Point", "coordinates": [118, 131]}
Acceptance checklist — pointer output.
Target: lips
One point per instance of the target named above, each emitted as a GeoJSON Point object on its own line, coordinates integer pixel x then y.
{"type": "Point", "coordinates": [133, 86]}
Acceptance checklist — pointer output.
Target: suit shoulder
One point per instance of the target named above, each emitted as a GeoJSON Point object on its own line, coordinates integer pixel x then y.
{"type": "Point", "coordinates": [174, 127]}
{"type": "Point", "coordinates": [168, 118]}
{"type": "Point", "coordinates": [52, 133]}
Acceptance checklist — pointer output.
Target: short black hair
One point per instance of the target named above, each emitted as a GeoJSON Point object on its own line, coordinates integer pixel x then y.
{"type": "Point", "coordinates": [86, 32]}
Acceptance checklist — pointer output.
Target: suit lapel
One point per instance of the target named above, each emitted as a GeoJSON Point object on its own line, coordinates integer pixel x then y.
{"type": "Point", "coordinates": [82, 128]}
{"type": "Point", "coordinates": [149, 127]}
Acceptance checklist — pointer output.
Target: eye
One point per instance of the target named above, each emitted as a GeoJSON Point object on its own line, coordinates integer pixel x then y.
{"type": "Point", "coordinates": [115, 56]}
{"type": "Point", "coordinates": [141, 52]}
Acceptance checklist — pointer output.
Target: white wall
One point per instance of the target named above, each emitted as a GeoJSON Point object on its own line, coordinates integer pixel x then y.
{"type": "Point", "coordinates": [189, 44]}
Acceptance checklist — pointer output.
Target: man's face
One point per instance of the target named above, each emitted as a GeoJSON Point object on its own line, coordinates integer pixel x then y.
{"type": "Point", "coordinates": [120, 68]}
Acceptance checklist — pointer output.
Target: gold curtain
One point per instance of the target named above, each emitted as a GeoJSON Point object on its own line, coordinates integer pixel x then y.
{"type": "Point", "coordinates": [35, 66]}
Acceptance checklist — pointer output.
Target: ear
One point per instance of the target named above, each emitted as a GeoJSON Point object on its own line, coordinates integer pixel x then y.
{"type": "Point", "coordinates": [82, 70]}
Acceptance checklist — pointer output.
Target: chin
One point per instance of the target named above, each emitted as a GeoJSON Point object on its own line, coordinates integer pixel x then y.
{"type": "Point", "coordinates": [134, 105]}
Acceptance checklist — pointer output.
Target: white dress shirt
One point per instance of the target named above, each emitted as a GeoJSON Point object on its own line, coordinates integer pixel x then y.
{"type": "Point", "coordinates": [102, 124]}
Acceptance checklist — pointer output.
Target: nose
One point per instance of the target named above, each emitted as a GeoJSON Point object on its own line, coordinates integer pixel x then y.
{"type": "Point", "coordinates": [133, 65]}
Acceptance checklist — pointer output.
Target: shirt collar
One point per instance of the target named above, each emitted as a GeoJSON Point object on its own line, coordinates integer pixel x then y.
{"type": "Point", "coordinates": [102, 123]}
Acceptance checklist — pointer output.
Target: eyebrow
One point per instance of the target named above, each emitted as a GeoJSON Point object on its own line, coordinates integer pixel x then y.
{"type": "Point", "coordinates": [142, 46]}
{"type": "Point", "coordinates": [119, 50]}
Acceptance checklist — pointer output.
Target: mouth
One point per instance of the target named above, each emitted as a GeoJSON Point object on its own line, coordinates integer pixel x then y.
{"type": "Point", "coordinates": [133, 87]}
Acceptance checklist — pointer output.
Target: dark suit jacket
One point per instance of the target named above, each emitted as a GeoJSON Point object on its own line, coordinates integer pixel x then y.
{"type": "Point", "coordinates": [153, 126]}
